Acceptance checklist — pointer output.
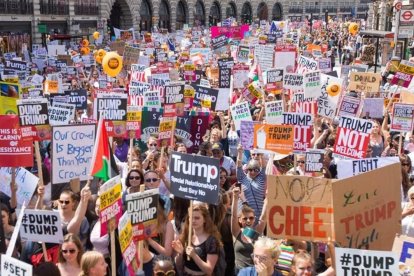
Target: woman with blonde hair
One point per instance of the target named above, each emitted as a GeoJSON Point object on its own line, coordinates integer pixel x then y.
{"type": "Point", "coordinates": [70, 254]}
{"type": "Point", "coordinates": [203, 252]}
{"type": "Point", "coordinates": [93, 264]}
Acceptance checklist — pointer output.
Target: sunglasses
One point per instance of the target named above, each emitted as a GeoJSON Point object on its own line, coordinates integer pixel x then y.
{"type": "Point", "coordinates": [301, 161]}
{"type": "Point", "coordinates": [134, 177]}
{"type": "Point", "coordinates": [254, 170]}
{"type": "Point", "coordinates": [162, 273]}
{"type": "Point", "coordinates": [256, 154]}
{"type": "Point", "coordinates": [64, 201]}
{"type": "Point", "coordinates": [153, 145]}
{"type": "Point", "coordinates": [405, 164]}
{"type": "Point", "coordinates": [151, 180]}
{"type": "Point", "coordinates": [70, 251]}
{"type": "Point", "coordinates": [248, 218]}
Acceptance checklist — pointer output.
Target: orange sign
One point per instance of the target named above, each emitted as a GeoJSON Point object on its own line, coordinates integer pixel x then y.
{"type": "Point", "coordinates": [277, 138]}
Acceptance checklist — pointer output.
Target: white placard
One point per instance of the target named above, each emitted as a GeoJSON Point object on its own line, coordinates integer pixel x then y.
{"type": "Point", "coordinates": [26, 183]}
{"type": "Point", "coordinates": [41, 226]}
{"type": "Point", "coordinates": [347, 168]}
{"type": "Point", "coordinates": [14, 267]}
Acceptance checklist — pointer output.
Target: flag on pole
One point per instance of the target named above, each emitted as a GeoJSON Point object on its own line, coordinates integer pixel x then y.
{"type": "Point", "coordinates": [102, 160]}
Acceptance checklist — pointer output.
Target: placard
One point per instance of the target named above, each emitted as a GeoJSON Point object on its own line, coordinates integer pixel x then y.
{"type": "Point", "coordinates": [352, 137]}
{"type": "Point", "coordinates": [78, 97]}
{"type": "Point", "coordinates": [312, 84]}
{"type": "Point", "coordinates": [246, 137]}
{"type": "Point", "coordinates": [16, 149]}
{"type": "Point", "coordinates": [373, 108]}
{"type": "Point", "coordinates": [14, 267]}
{"type": "Point", "coordinates": [152, 99]}
{"type": "Point", "coordinates": [110, 194]}
{"type": "Point", "coordinates": [403, 246]}
{"type": "Point", "coordinates": [364, 82]}
{"type": "Point", "coordinates": [285, 56]}
{"type": "Point", "coordinates": [349, 106]}
{"type": "Point", "coordinates": [195, 177]}
{"type": "Point", "coordinates": [277, 138]}
{"type": "Point", "coordinates": [26, 183]}
{"type": "Point", "coordinates": [293, 81]}
{"type": "Point", "coordinates": [203, 94]}
{"type": "Point", "coordinates": [72, 150]}
{"type": "Point", "coordinates": [348, 168]}
{"type": "Point", "coordinates": [61, 114]}
{"type": "Point", "coordinates": [126, 242]}
{"type": "Point", "coordinates": [368, 215]}
{"type": "Point", "coordinates": [365, 262]}
{"type": "Point", "coordinates": [324, 65]}
{"type": "Point", "coordinates": [33, 112]}
{"type": "Point", "coordinates": [273, 112]}
{"type": "Point", "coordinates": [314, 160]}
{"type": "Point", "coordinates": [240, 112]}
{"type": "Point", "coordinates": [303, 126]}
{"type": "Point", "coordinates": [111, 106]}
{"type": "Point", "coordinates": [41, 226]}
{"type": "Point", "coordinates": [402, 117]}
{"type": "Point", "coordinates": [306, 64]}
{"type": "Point", "coordinates": [274, 80]}
{"type": "Point", "coordinates": [299, 207]}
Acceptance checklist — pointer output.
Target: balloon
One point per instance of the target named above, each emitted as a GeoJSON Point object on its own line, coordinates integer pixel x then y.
{"type": "Point", "coordinates": [333, 89]}
{"type": "Point", "coordinates": [353, 28]}
{"type": "Point", "coordinates": [84, 43]}
{"type": "Point", "coordinates": [100, 55]}
{"type": "Point", "coordinates": [96, 35]}
{"type": "Point", "coordinates": [112, 64]}
{"type": "Point", "coordinates": [85, 51]}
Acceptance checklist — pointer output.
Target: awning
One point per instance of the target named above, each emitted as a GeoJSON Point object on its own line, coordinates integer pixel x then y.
{"type": "Point", "coordinates": [377, 34]}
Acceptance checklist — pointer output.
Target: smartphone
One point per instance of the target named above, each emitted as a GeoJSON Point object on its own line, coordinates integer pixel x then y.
{"type": "Point", "coordinates": [238, 185]}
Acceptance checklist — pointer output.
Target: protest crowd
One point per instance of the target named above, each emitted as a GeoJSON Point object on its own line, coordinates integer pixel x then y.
{"type": "Point", "coordinates": [270, 148]}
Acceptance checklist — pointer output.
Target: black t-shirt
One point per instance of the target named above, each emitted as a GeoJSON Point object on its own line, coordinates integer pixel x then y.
{"type": "Point", "coordinates": [209, 246]}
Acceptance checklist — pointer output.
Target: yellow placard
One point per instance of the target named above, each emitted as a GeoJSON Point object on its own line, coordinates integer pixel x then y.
{"type": "Point", "coordinates": [111, 196]}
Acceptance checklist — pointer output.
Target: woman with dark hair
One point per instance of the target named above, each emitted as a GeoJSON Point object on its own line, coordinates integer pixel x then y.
{"type": "Point", "coordinates": [205, 244]}
{"type": "Point", "coordinates": [133, 180]}
{"type": "Point", "coordinates": [406, 167]}
{"type": "Point", "coordinates": [224, 182]}
{"type": "Point", "coordinates": [205, 149]}
{"type": "Point", "coordinates": [70, 254]}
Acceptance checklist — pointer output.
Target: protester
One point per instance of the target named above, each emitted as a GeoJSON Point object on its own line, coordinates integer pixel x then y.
{"type": "Point", "coordinates": [70, 254]}
{"type": "Point", "coordinates": [93, 264]}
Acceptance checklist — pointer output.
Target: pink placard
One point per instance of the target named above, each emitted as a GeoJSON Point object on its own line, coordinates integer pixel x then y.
{"type": "Point", "coordinates": [236, 32]}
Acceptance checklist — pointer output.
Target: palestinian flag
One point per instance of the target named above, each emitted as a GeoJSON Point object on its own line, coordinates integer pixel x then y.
{"type": "Point", "coordinates": [103, 163]}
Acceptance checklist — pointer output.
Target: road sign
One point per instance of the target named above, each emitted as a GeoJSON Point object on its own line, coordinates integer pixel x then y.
{"type": "Point", "coordinates": [407, 16]}
{"type": "Point", "coordinates": [398, 6]}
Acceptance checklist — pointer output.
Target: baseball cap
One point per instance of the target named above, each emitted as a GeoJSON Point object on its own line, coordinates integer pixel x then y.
{"type": "Point", "coordinates": [217, 146]}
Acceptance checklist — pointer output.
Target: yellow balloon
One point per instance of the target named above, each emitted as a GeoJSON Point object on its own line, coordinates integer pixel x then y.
{"type": "Point", "coordinates": [96, 35]}
{"type": "Point", "coordinates": [85, 51]}
{"type": "Point", "coordinates": [100, 55]}
{"type": "Point", "coordinates": [112, 64]}
{"type": "Point", "coordinates": [333, 89]}
{"type": "Point", "coordinates": [353, 28]}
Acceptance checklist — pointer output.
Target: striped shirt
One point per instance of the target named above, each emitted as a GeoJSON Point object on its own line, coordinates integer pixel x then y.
{"type": "Point", "coordinates": [254, 190]}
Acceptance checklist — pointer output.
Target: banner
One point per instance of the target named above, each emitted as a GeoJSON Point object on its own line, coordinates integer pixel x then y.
{"type": "Point", "coordinates": [403, 246]}
{"type": "Point", "coordinates": [236, 32]}
{"type": "Point", "coordinates": [126, 242]}
{"type": "Point", "coordinates": [277, 138]}
{"type": "Point", "coordinates": [349, 106]}
{"type": "Point", "coordinates": [273, 112]}
{"type": "Point", "coordinates": [312, 84]}
{"type": "Point", "coordinates": [365, 262]}
{"type": "Point", "coordinates": [314, 160]}
{"type": "Point", "coordinates": [402, 117]}
{"type": "Point", "coordinates": [16, 149]}
{"type": "Point", "coordinates": [26, 183]}
{"type": "Point", "coordinates": [142, 210]}
{"type": "Point", "coordinates": [240, 112]}
{"type": "Point", "coordinates": [199, 125]}
{"type": "Point", "coordinates": [14, 267]}
{"type": "Point", "coordinates": [368, 215]}
{"type": "Point", "coordinates": [352, 137]}
{"type": "Point", "coordinates": [364, 82]}
{"type": "Point", "coordinates": [348, 168]}
{"type": "Point", "coordinates": [41, 226]}
{"type": "Point", "coordinates": [299, 207]}
{"type": "Point", "coordinates": [303, 126]}
{"type": "Point", "coordinates": [111, 202]}
{"type": "Point", "coordinates": [195, 177]}
{"type": "Point", "coordinates": [183, 129]}
{"type": "Point", "coordinates": [72, 150]}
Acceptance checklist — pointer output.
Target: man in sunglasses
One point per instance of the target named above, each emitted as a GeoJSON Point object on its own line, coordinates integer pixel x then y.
{"type": "Point", "coordinates": [253, 182]}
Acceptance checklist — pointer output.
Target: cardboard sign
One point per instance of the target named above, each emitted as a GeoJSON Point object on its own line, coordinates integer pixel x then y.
{"type": "Point", "coordinates": [240, 75]}
{"type": "Point", "coordinates": [243, 54]}
{"type": "Point", "coordinates": [368, 215]}
{"type": "Point", "coordinates": [403, 246]}
{"type": "Point", "coordinates": [14, 267]}
{"type": "Point", "coordinates": [26, 183]}
{"type": "Point", "coordinates": [61, 114]}
{"type": "Point", "coordinates": [41, 226]}
{"type": "Point", "coordinates": [111, 202]}
{"type": "Point", "coordinates": [240, 112]}
{"type": "Point", "coordinates": [306, 64]}
{"type": "Point", "coordinates": [274, 80]}
{"type": "Point", "coordinates": [273, 111]}
{"type": "Point", "coordinates": [293, 81]}
{"type": "Point", "coordinates": [33, 112]}
{"type": "Point", "coordinates": [324, 65]}
{"type": "Point", "coordinates": [285, 56]}
{"type": "Point", "coordinates": [365, 262]}
{"type": "Point", "coordinates": [312, 84]}
{"type": "Point", "coordinates": [126, 242]}
{"type": "Point", "coordinates": [349, 106]}
{"type": "Point", "coordinates": [402, 117]}
{"type": "Point", "coordinates": [167, 124]}
{"type": "Point", "coordinates": [130, 56]}
{"type": "Point", "coordinates": [111, 106]}
{"type": "Point", "coordinates": [364, 82]}
{"type": "Point", "coordinates": [348, 168]}
{"type": "Point", "coordinates": [303, 126]}
{"type": "Point", "coordinates": [72, 150]}
{"type": "Point", "coordinates": [16, 149]}
{"type": "Point", "coordinates": [328, 101]}
{"type": "Point", "coordinates": [246, 129]}
{"type": "Point", "coordinates": [277, 138]}
{"type": "Point", "coordinates": [264, 55]}
{"type": "Point", "coordinates": [314, 160]}
{"type": "Point", "coordinates": [352, 137]}
{"type": "Point", "coordinates": [195, 177]}
{"type": "Point", "coordinates": [152, 99]}
{"type": "Point", "coordinates": [299, 207]}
